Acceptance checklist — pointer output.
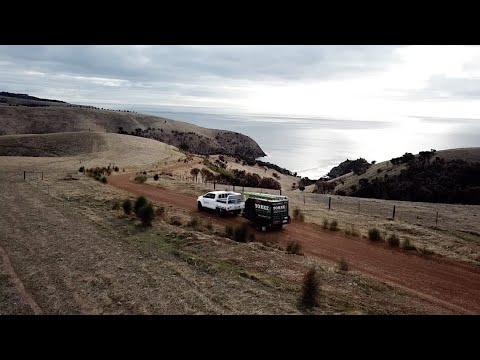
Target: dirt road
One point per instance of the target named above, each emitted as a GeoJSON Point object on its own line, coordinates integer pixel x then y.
{"type": "Point", "coordinates": [452, 285]}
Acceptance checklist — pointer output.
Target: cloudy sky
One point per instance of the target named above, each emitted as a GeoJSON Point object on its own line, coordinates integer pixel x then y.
{"type": "Point", "coordinates": [377, 83]}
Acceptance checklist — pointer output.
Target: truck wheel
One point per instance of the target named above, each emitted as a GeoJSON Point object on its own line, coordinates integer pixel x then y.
{"type": "Point", "coordinates": [200, 207]}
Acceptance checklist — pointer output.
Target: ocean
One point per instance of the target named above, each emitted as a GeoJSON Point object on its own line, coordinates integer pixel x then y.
{"type": "Point", "coordinates": [311, 146]}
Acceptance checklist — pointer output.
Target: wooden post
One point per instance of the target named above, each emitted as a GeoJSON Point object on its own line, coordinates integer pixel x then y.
{"type": "Point", "coordinates": [303, 198]}
{"type": "Point", "coordinates": [436, 220]}
{"type": "Point", "coordinates": [329, 202]}
{"type": "Point", "coordinates": [24, 175]}
{"type": "Point", "coordinates": [213, 184]}
{"type": "Point", "coordinates": [359, 207]}
{"type": "Point", "coordinates": [393, 215]}
{"type": "Point", "coordinates": [280, 191]}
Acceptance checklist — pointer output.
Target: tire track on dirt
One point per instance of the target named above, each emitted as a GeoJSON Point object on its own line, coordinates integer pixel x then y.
{"type": "Point", "coordinates": [450, 284]}
{"type": "Point", "coordinates": [25, 296]}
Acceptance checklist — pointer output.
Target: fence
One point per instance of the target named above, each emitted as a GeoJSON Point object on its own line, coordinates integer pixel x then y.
{"type": "Point", "coordinates": [442, 216]}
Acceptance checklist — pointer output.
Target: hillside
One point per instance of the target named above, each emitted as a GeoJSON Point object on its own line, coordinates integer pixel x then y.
{"type": "Point", "coordinates": [27, 116]}
{"type": "Point", "coordinates": [447, 176]}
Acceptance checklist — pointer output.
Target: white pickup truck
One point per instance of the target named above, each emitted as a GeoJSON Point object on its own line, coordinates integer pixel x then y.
{"type": "Point", "coordinates": [222, 202]}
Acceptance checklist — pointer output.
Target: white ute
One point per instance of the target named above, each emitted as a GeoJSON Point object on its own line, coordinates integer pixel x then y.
{"type": "Point", "coordinates": [223, 202]}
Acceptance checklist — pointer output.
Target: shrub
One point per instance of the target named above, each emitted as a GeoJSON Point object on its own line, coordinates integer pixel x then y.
{"type": "Point", "coordinates": [140, 178]}
{"type": "Point", "coordinates": [240, 233]}
{"type": "Point", "coordinates": [82, 169]}
{"type": "Point", "coordinates": [229, 231]}
{"type": "Point", "coordinates": [294, 247]}
{"type": "Point", "coordinates": [116, 169]}
{"type": "Point", "coordinates": [343, 265]}
{"type": "Point", "coordinates": [116, 206]}
{"type": "Point", "coordinates": [146, 214]}
{"type": "Point", "coordinates": [174, 220]}
{"type": "Point", "coordinates": [334, 225]}
{"type": "Point", "coordinates": [209, 226]}
{"type": "Point", "coordinates": [374, 234]}
{"type": "Point", "coordinates": [352, 231]}
{"type": "Point", "coordinates": [160, 211]}
{"type": "Point", "coordinates": [298, 215]}
{"type": "Point", "coordinates": [325, 224]}
{"type": "Point", "coordinates": [156, 177]}
{"type": "Point", "coordinates": [127, 207]}
{"type": "Point", "coordinates": [393, 240]}
{"type": "Point", "coordinates": [144, 173]}
{"type": "Point", "coordinates": [139, 203]}
{"type": "Point", "coordinates": [103, 179]}
{"type": "Point", "coordinates": [407, 245]}
{"type": "Point", "coordinates": [310, 289]}
{"type": "Point", "coordinates": [193, 222]}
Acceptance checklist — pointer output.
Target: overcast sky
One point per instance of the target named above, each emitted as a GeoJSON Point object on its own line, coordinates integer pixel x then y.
{"type": "Point", "coordinates": [378, 83]}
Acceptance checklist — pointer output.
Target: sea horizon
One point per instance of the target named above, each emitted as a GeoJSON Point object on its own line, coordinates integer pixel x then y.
{"type": "Point", "coordinates": [312, 145]}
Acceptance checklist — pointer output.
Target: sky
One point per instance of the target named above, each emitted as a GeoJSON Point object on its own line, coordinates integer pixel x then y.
{"type": "Point", "coordinates": [411, 87]}
{"type": "Point", "coordinates": [337, 82]}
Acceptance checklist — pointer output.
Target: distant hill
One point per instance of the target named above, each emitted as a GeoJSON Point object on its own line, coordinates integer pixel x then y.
{"type": "Point", "coordinates": [447, 176]}
{"type": "Point", "coordinates": [24, 114]}
{"type": "Point", "coordinates": [26, 97]}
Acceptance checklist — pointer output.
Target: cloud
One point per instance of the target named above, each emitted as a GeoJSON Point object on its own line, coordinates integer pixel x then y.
{"type": "Point", "coordinates": [340, 82]}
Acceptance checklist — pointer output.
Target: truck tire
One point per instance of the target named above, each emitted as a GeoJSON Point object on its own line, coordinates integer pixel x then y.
{"type": "Point", "coordinates": [200, 207]}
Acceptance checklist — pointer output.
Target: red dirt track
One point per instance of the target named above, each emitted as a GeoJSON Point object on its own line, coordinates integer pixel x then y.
{"type": "Point", "coordinates": [452, 285]}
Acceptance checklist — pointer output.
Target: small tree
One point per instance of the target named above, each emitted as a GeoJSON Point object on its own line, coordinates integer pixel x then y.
{"type": "Point", "coordinates": [127, 207]}
{"type": "Point", "coordinates": [155, 177]}
{"type": "Point", "coordinates": [310, 289]}
{"type": "Point", "coordinates": [139, 203]}
{"type": "Point", "coordinates": [194, 172]}
{"type": "Point", "coordinates": [146, 214]}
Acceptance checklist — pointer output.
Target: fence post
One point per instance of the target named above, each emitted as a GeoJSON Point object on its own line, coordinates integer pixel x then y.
{"type": "Point", "coordinates": [436, 220]}
{"type": "Point", "coordinates": [42, 175]}
{"type": "Point", "coordinates": [329, 202]}
{"type": "Point", "coordinates": [358, 207]}
{"type": "Point", "coordinates": [24, 175]}
{"type": "Point", "coordinates": [393, 216]}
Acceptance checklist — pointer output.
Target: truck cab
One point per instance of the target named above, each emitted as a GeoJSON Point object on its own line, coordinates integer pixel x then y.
{"type": "Point", "coordinates": [222, 202]}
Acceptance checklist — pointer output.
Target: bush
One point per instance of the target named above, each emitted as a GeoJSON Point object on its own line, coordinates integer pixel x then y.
{"type": "Point", "coordinates": [193, 222]}
{"type": "Point", "coordinates": [139, 203]}
{"type": "Point", "coordinates": [374, 234]}
{"type": "Point", "coordinates": [160, 211]}
{"type": "Point", "coordinates": [209, 226]}
{"type": "Point", "coordinates": [140, 179]}
{"type": "Point", "coordinates": [127, 207]}
{"type": "Point", "coordinates": [229, 231]}
{"type": "Point", "coordinates": [146, 214]}
{"type": "Point", "coordinates": [352, 231]}
{"type": "Point", "coordinates": [393, 240]}
{"type": "Point", "coordinates": [82, 169]}
{"type": "Point", "coordinates": [310, 289]}
{"type": "Point", "coordinates": [156, 177]}
{"type": "Point", "coordinates": [116, 206]}
{"type": "Point", "coordinates": [343, 265]}
{"type": "Point", "coordinates": [103, 180]}
{"type": "Point", "coordinates": [116, 169]}
{"type": "Point", "coordinates": [407, 245]}
{"type": "Point", "coordinates": [334, 225]}
{"type": "Point", "coordinates": [298, 215]}
{"type": "Point", "coordinates": [294, 247]}
{"type": "Point", "coordinates": [240, 233]}
{"type": "Point", "coordinates": [174, 220]}
{"type": "Point", "coordinates": [325, 224]}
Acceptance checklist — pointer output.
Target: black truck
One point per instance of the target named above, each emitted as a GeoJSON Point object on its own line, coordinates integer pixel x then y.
{"type": "Point", "coordinates": [266, 211]}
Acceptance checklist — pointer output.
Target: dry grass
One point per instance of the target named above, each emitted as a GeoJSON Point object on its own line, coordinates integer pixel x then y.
{"type": "Point", "coordinates": [175, 269]}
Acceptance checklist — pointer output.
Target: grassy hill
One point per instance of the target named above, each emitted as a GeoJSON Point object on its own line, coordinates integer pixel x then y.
{"type": "Point", "coordinates": [28, 116]}
{"type": "Point", "coordinates": [449, 176]}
